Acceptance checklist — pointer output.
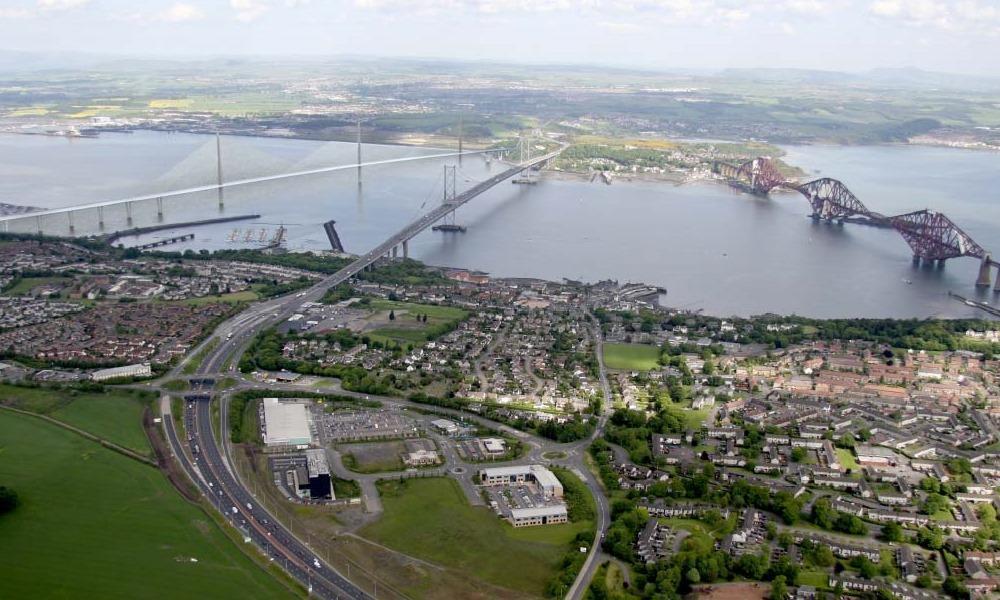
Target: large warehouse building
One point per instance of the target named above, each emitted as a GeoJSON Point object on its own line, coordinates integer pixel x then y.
{"type": "Point", "coordinates": [285, 423]}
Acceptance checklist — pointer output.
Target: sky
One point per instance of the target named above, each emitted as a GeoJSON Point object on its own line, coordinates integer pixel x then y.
{"type": "Point", "coordinates": [959, 36]}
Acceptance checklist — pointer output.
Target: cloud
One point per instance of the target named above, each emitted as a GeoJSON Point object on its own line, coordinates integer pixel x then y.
{"type": "Point", "coordinates": [15, 13]}
{"type": "Point", "coordinates": [249, 10]}
{"type": "Point", "coordinates": [809, 7]}
{"type": "Point", "coordinates": [180, 12]}
{"type": "Point", "coordinates": [969, 16]}
{"type": "Point", "coordinates": [616, 27]}
{"type": "Point", "coordinates": [61, 4]}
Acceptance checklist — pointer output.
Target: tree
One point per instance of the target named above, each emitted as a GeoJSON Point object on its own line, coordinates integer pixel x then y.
{"type": "Point", "coordinates": [8, 500]}
{"type": "Point", "coordinates": [693, 576]}
{"type": "Point", "coordinates": [930, 538]}
{"type": "Point", "coordinates": [954, 587]}
{"type": "Point", "coordinates": [779, 590]}
{"type": "Point", "coordinates": [892, 532]}
{"type": "Point", "coordinates": [392, 315]}
{"type": "Point", "coordinates": [798, 454]}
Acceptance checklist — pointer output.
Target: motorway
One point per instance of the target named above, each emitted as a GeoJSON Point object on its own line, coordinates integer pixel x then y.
{"type": "Point", "coordinates": [211, 469]}
{"type": "Point", "coordinates": [218, 484]}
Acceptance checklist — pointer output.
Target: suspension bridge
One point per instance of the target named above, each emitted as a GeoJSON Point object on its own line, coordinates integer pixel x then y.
{"type": "Point", "coordinates": [931, 235]}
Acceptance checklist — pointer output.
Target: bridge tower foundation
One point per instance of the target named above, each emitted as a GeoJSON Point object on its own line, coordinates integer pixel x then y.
{"type": "Point", "coordinates": [406, 252]}
{"type": "Point", "coordinates": [985, 272]}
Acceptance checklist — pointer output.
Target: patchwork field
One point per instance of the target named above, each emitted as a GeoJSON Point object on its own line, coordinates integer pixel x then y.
{"type": "Point", "coordinates": [431, 519]}
{"type": "Point", "coordinates": [94, 524]}
{"type": "Point", "coordinates": [631, 357]}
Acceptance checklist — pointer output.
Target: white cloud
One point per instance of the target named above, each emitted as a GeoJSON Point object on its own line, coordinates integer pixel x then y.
{"type": "Point", "coordinates": [61, 4]}
{"type": "Point", "coordinates": [616, 27]}
{"type": "Point", "coordinates": [809, 7]}
{"type": "Point", "coordinates": [15, 13]}
{"type": "Point", "coordinates": [248, 10]}
{"type": "Point", "coordinates": [180, 12]}
{"type": "Point", "coordinates": [948, 15]}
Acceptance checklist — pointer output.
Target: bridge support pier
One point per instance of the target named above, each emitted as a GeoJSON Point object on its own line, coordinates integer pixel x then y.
{"type": "Point", "coordinates": [916, 260]}
{"type": "Point", "coordinates": [159, 209]}
{"type": "Point", "coordinates": [395, 251]}
{"type": "Point", "coordinates": [996, 286]}
{"type": "Point", "coordinates": [984, 272]}
{"type": "Point", "coordinates": [38, 225]}
{"type": "Point", "coordinates": [406, 252]}
{"type": "Point", "coordinates": [69, 216]}
{"type": "Point", "coordinates": [128, 212]}
{"type": "Point", "coordinates": [100, 217]}
{"type": "Point", "coordinates": [940, 263]}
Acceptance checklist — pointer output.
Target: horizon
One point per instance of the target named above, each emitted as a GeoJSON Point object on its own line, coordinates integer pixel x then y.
{"type": "Point", "coordinates": [944, 36]}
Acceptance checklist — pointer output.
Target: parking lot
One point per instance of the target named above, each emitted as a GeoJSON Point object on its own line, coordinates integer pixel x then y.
{"type": "Point", "coordinates": [361, 425]}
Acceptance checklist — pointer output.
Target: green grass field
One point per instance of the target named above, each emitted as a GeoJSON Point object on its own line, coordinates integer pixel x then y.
{"type": "Point", "coordinates": [94, 524]}
{"type": "Point", "coordinates": [631, 357]}
{"type": "Point", "coordinates": [115, 415]}
{"type": "Point", "coordinates": [244, 296]}
{"type": "Point", "coordinates": [405, 329]}
{"type": "Point", "coordinates": [432, 520]}
{"type": "Point", "coordinates": [847, 460]}
{"type": "Point", "coordinates": [24, 286]}
{"type": "Point", "coordinates": [816, 578]}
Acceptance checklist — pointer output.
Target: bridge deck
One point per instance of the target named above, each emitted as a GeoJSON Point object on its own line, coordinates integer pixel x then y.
{"type": "Point", "coordinates": [229, 184]}
{"type": "Point", "coordinates": [410, 231]}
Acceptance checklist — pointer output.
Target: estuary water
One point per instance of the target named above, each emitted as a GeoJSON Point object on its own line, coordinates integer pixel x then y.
{"type": "Point", "coordinates": [712, 247]}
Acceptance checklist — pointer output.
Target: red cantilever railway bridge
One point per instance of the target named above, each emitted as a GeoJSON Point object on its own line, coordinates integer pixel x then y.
{"type": "Point", "coordinates": [931, 235]}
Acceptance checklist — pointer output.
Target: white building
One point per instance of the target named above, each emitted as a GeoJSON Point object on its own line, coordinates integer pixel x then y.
{"type": "Point", "coordinates": [494, 446]}
{"type": "Point", "coordinates": [445, 426]}
{"type": "Point", "coordinates": [140, 370]}
{"type": "Point", "coordinates": [539, 515]}
{"type": "Point", "coordinates": [547, 482]}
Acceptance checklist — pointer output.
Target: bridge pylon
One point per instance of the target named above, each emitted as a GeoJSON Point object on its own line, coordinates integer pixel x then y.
{"type": "Point", "coordinates": [450, 193]}
{"type": "Point", "coordinates": [984, 272]}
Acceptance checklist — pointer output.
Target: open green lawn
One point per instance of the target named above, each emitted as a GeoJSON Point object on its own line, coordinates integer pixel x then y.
{"type": "Point", "coordinates": [244, 296]}
{"type": "Point", "coordinates": [27, 284]}
{"type": "Point", "coordinates": [431, 519]}
{"type": "Point", "coordinates": [816, 577]}
{"type": "Point", "coordinates": [405, 328]}
{"type": "Point", "coordinates": [694, 419]}
{"type": "Point", "coordinates": [114, 414]}
{"type": "Point", "coordinates": [94, 524]}
{"type": "Point", "coordinates": [847, 460]}
{"type": "Point", "coordinates": [631, 357]}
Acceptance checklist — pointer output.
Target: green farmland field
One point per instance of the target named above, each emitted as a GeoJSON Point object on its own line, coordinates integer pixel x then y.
{"type": "Point", "coordinates": [631, 357]}
{"type": "Point", "coordinates": [95, 524]}
{"type": "Point", "coordinates": [115, 415]}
